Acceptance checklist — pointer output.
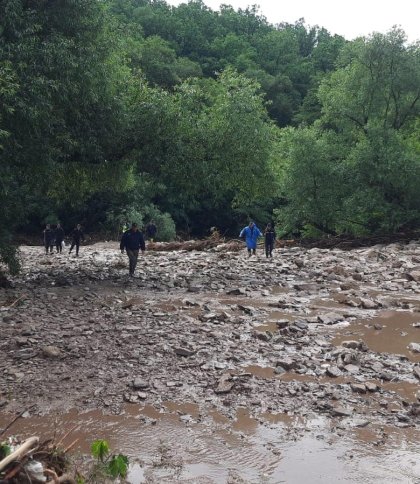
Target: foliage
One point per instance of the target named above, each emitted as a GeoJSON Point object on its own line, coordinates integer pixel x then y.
{"type": "Point", "coordinates": [356, 170]}
{"type": "Point", "coordinates": [134, 109]}
{"type": "Point", "coordinates": [108, 465]}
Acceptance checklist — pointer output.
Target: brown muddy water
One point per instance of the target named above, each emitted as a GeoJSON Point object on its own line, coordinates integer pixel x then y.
{"type": "Point", "coordinates": [388, 332]}
{"type": "Point", "coordinates": [177, 443]}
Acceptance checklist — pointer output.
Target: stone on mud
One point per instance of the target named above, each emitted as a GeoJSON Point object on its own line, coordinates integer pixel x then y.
{"type": "Point", "coordinates": [353, 369]}
{"type": "Point", "coordinates": [225, 384]}
{"type": "Point", "coordinates": [371, 387]}
{"type": "Point", "coordinates": [330, 318]}
{"type": "Point", "coordinates": [286, 363]}
{"type": "Point", "coordinates": [413, 276]}
{"type": "Point", "coordinates": [140, 384]}
{"type": "Point", "coordinates": [263, 335]}
{"type": "Point", "coordinates": [183, 352]}
{"type": "Point", "coordinates": [333, 371]}
{"type": "Point", "coordinates": [341, 412]}
{"type": "Point", "coordinates": [358, 387]}
{"type": "Point", "coordinates": [237, 291]}
{"type": "Point", "coordinates": [414, 347]}
{"type": "Point", "coordinates": [51, 352]}
{"type": "Point", "coordinates": [416, 371]}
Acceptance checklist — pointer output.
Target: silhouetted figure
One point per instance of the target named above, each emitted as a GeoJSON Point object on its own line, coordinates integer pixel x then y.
{"type": "Point", "coordinates": [151, 230]}
{"type": "Point", "coordinates": [76, 236]}
{"type": "Point", "coordinates": [132, 241]}
{"type": "Point", "coordinates": [270, 239]}
{"type": "Point", "coordinates": [59, 237]}
{"type": "Point", "coordinates": [48, 239]}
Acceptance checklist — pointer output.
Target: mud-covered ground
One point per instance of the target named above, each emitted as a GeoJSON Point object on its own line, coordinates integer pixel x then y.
{"type": "Point", "coordinates": [310, 334]}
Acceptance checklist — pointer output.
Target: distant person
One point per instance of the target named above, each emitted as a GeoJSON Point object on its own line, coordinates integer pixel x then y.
{"type": "Point", "coordinates": [59, 237]}
{"type": "Point", "coordinates": [151, 230]}
{"type": "Point", "coordinates": [215, 234]}
{"type": "Point", "coordinates": [76, 236]}
{"type": "Point", "coordinates": [132, 241]}
{"type": "Point", "coordinates": [269, 239]}
{"type": "Point", "coordinates": [48, 239]}
{"type": "Point", "coordinates": [251, 234]}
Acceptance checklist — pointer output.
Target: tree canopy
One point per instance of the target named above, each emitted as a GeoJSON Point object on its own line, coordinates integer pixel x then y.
{"type": "Point", "coordinates": [133, 109]}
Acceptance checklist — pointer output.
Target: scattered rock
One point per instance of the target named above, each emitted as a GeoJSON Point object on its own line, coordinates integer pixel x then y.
{"type": "Point", "coordinates": [333, 371]}
{"type": "Point", "coordinates": [140, 384]}
{"type": "Point", "coordinates": [225, 384]}
{"type": "Point", "coordinates": [183, 352]}
{"type": "Point", "coordinates": [414, 347]}
{"type": "Point", "coordinates": [51, 352]}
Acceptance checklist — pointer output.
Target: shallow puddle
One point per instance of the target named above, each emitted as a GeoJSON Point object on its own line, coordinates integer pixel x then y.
{"type": "Point", "coordinates": [396, 333]}
{"type": "Point", "coordinates": [280, 449]}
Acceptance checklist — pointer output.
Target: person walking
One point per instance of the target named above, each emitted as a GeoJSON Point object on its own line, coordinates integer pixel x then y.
{"type": "Point", "coordinates": [269, 238]}
{"type": "Point", "coordinates": [59, 237]}
{"type": "Point", "coordinates": [151, 230]}
{"type": "Point", "coordinates": [251, 234]}
{"type": "Point", "coordinates": [76, 236]}
{"type": "Point", "coordinates": [132, 241]}
{"type": "Point", "coordinates": [48, 239]}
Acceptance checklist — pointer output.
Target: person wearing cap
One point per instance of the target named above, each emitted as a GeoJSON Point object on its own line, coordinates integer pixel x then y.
{"type": "Point", "coordinates": [132, 241]}
{"type": "Point", "coordinates": [251, 233]}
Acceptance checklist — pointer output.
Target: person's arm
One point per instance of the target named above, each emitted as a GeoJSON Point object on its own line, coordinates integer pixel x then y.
{"type": "Point", "coordinates": [122, 243]}
{"type": "Point", "coordinates": [142, 244]}
{"type": "Point", "coordinates": [241, 233]}
{"type": "Point", "coordinates": [82, 236]}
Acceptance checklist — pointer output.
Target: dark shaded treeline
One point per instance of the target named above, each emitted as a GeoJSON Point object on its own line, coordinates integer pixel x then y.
{"type": "Point", "coordinates": [128, 110]}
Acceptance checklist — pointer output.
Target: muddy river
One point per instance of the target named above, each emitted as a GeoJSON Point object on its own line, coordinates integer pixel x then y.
{"type": "Point", "coordinates": [208, 367]}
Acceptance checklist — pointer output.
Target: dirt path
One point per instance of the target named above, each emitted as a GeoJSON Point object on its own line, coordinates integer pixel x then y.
{"type": "Point", "coordinates": [312, 334]}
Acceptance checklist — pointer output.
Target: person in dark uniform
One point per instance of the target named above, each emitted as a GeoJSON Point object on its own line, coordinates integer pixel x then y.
{"type": "Point", "coordinates": [270, 238]}
{"type": "Point", "coordinates": [76, 236]}
{"type": "Point", "coordinates": [151, 230]}
{"type": "Point", "coordinates": [132, 241]}
{"type": "Point", "coordinates": [48, 239]}
{"type": "Point", "coordinates": [59, 237]}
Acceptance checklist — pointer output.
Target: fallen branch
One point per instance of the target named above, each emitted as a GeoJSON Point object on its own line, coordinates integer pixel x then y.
{"type": "Point", "coordinates": [16, 418]}
{"type": "Point", "coordinates": [20, 452]}
{"type": "Point", "coordinates": [17, 300]}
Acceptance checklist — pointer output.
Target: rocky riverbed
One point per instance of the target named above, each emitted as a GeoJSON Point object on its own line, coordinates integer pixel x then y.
{"type": "Point", "coordinates": [310, 334]}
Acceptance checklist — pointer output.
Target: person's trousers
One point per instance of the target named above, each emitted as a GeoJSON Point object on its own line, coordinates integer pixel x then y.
{"type": "Point", "coordinates": [269, 246]}
{"type": "Point", "coordinates": [133, 255]}
{"type": "Point", "coordinates": [49, 247]}
{"type": "Point", "coordinates": [77, 244]}
{"type": "Point", "coordinates": [59, 245]}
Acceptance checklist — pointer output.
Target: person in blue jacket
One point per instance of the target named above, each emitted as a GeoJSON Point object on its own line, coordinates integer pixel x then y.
{"type": "Point", "coordinates": [251, 234]}
{"type": "Point", "coordinates": [132, 241]}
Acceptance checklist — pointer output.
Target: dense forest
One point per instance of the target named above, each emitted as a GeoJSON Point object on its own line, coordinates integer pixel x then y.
{"type": "Point", "coordinates": [128, 110]}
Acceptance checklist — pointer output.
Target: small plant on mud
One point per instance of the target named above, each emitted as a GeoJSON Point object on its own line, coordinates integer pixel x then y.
{"type": "Point", "coordinates": [107, 466]}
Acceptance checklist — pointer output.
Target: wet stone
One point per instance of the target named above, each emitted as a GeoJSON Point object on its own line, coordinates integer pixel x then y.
{"type": "Point", "coordinates": [414, 347]}
{"type": "Point", "coordinates": [183, 352]}
{"type": "Point", "coordinates": [139, 384]}
{"type": "Point", "coordinates": [358, 388]}
{"type": "Point", "coordinates": [371, 387]}
{"type": "Point", "coordinates": [286, 363]}
{"type": "Point", "coordinates": [333, 371]}
{"type": "Point", "coordinates": [51, 352]}
{"type": "Point", "coordinates": [341, 412]}
{"type": "Point", "coordinates": [353, 369]}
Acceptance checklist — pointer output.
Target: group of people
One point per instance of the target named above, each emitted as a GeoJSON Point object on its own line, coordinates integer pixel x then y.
{"type": "Point", "coordinates": [251, 233]}
{"type": "Point", "coordinates": [54, 237]}
{"type": "Point", "coordinates": [132, 241]}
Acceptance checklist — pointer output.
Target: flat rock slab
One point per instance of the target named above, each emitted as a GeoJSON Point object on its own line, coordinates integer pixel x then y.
{"type": "Point", "coordinates": [183, 352]}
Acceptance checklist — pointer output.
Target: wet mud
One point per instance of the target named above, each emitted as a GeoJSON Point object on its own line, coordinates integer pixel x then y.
{"type": "Point", "coordinates": [206, 368]}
